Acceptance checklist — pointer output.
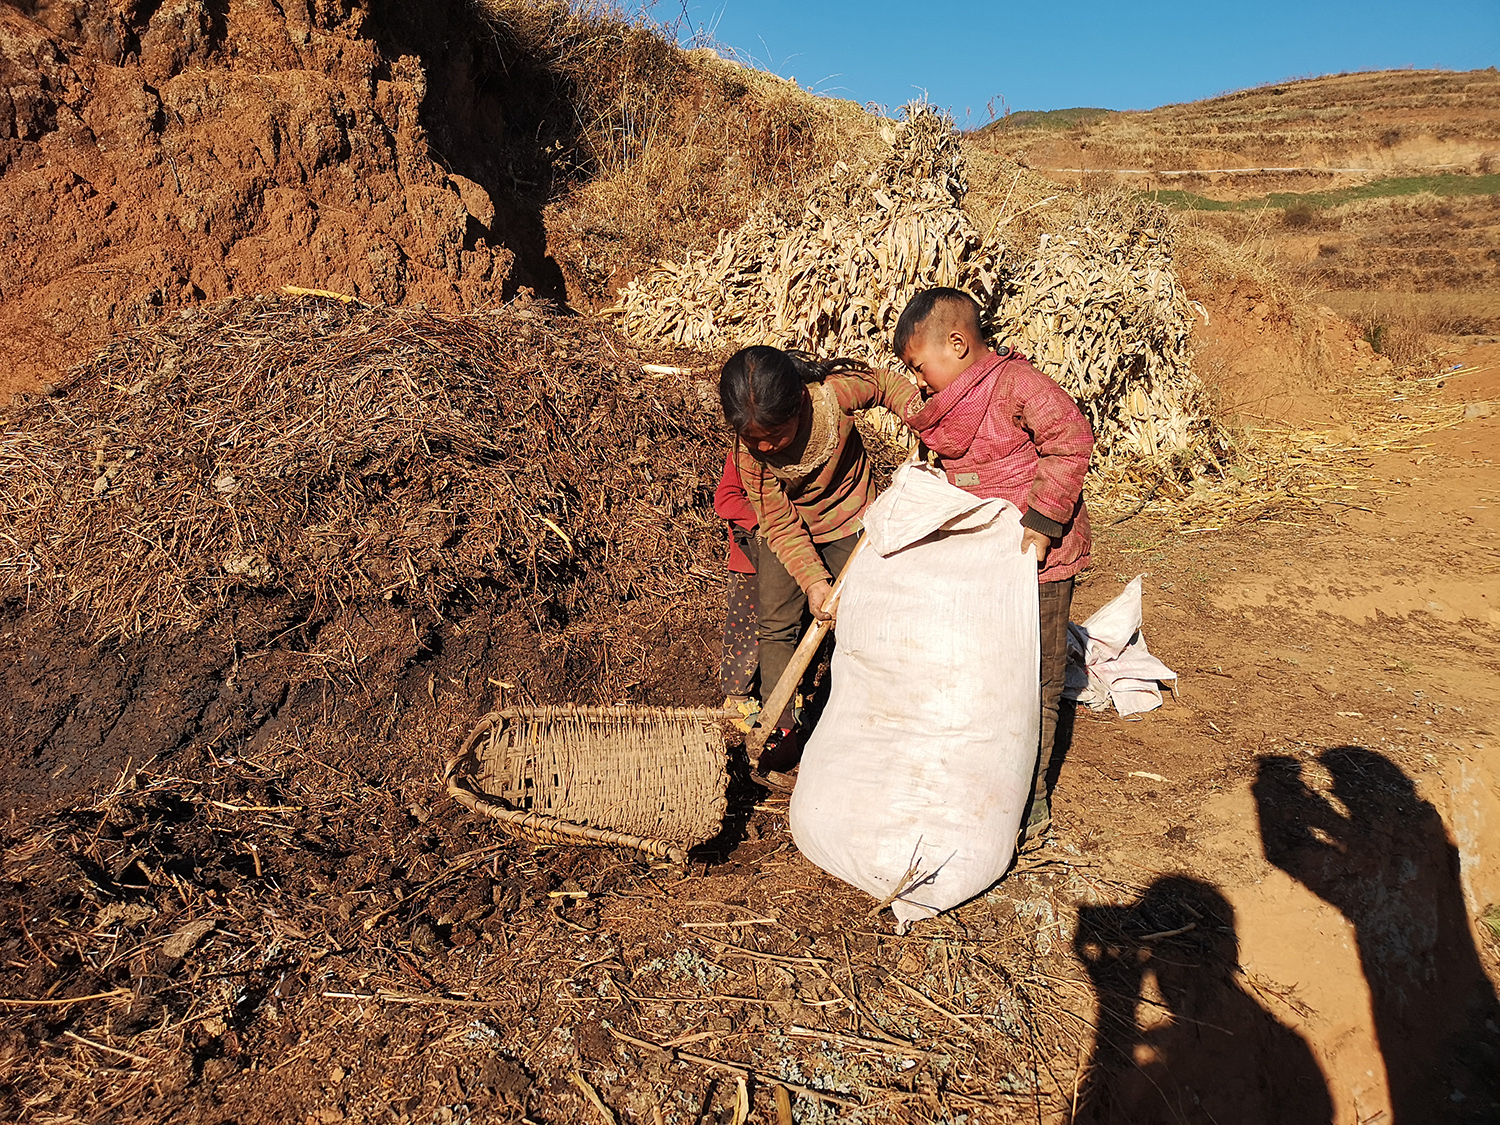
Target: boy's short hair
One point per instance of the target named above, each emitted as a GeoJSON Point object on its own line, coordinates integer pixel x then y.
{"type": "Point", "coordinates": [947, 308]}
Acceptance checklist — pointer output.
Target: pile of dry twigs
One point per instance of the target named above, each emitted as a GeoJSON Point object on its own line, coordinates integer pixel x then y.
{"type": "Point", "coordinates": [337, 454]}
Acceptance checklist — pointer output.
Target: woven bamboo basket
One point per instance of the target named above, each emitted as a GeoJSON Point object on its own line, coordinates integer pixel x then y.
{"type": "Point", "coordinates": [649, 778]}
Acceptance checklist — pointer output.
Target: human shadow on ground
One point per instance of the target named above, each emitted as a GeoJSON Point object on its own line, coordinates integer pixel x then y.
{"type": "Point", "coordinates": [1178, 1040]}
{"type": "Point", "coordinates": [1381, 855]}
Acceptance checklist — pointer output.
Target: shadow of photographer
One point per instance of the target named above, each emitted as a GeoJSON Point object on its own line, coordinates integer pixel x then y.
{"type": "Point", "coordinates": [1379, 854]}
{"type": "Point", "coordinates": [1178, 1039]}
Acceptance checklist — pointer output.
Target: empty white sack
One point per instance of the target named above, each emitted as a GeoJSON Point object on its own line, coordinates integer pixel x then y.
{"type": "Point", "coordinates": [1108, 661]}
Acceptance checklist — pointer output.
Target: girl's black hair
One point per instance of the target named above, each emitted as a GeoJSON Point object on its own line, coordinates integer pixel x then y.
{"type": "Point", "coordinates": [762, 386]}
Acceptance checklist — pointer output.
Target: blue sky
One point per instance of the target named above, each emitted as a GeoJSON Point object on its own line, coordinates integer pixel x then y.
{"type": "Point", "coordinates": [1053, 55]}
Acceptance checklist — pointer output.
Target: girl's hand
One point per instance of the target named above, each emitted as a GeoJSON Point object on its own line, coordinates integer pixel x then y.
{"type": "Point", "coordinates": [1030, 538]}
{"type": "Point", "coordinates": [817, 597]}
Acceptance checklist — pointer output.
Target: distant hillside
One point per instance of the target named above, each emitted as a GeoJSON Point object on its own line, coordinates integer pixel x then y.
{"type": "Point", "coordinates": [1358, 187]}
{"type": "Point", "coordinates": [1294, 136]}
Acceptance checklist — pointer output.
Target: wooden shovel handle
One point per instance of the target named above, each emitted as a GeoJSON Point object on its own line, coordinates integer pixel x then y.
{"type": "Point", "coordinates": [786, 687]}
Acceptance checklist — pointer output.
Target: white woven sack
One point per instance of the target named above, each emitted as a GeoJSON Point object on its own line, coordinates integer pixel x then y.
{"type": "Point", "coordinates": [915, 779]}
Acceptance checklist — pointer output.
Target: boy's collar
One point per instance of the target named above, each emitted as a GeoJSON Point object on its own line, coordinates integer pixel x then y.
{"type": "Point", "coordinates": [971, 375]}
{"type": "Point", "coordinates": [948, 420]}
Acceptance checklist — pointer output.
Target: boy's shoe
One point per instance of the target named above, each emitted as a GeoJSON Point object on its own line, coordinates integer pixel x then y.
{"type": "Point", "coordinates": [1034, 837]}
{"type": "Point", "coordinates": [785, 782]}
{"type": "Point", "coordinates": [1038, 824]}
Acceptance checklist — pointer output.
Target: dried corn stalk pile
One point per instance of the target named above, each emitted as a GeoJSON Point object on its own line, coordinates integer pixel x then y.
{"type": "Point", "coordinates": [834, 280]}
{"type": "Point", "coordinates": [1100, 310]}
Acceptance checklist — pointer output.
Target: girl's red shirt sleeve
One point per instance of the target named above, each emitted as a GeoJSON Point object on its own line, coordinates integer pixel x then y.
{"type": "Point", "coordinates": [732, 505]}
{"type": "Point", "coordinates": [730, 501]}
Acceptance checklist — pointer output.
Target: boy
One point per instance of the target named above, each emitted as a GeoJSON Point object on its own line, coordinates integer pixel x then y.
{"type": "Point", "coordinates": [1001, 428]}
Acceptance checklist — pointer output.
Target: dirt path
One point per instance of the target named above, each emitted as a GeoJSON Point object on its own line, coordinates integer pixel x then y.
{"type": "Point", "coordinates": [1360, 659]}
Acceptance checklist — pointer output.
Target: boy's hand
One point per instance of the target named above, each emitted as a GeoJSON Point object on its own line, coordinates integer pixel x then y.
{"type": "Point", "coordinates": [817, 597]}
{"type": "Point", "coordinates": [1030, 538]}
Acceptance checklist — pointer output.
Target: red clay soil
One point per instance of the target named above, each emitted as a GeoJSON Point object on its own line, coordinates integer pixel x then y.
{"type": "Point", "coordinates": [155, 156]}
{"type": "Point", "coordinates": [1268, 360]}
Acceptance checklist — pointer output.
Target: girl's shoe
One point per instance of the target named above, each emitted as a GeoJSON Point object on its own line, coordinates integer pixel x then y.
{"type": "Point", "coordinates": [781, 752]}
{"type": "Point", "coordinates": [745, 710]}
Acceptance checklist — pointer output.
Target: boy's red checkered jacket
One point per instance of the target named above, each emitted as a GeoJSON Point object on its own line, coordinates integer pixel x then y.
{"type": "Point", "coordinates": [1002, 428]}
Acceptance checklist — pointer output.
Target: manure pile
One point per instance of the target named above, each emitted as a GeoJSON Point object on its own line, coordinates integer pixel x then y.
{"type": "Point", "coordinates": [339, 455]}
{"type": "Point", "coordinates": [1099, 309]}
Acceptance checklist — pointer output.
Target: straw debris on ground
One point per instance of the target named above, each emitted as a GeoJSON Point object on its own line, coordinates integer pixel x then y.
{"type": "Point", "coordinates": [1289, 475]}
{"type": "Point", "coordinates": [249, 918]}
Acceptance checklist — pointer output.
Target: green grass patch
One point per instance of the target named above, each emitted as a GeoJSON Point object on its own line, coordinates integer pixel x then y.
{"type": "Point", "coordinates": [1376, 189]}
{"type": "Point", "coordinates": [1057, 120]}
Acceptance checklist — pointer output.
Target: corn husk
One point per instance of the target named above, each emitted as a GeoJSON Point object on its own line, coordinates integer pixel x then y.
{"type": "Point", "coordinates": [1100, 309]}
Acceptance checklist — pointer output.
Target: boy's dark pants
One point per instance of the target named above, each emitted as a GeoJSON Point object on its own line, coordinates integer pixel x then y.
{"type": "Point", "coordinates": [1055, 600]}
{"type": "Point", "coordinates": [783, 606]}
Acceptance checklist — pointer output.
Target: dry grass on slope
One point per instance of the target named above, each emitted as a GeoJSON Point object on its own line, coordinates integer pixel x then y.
{"type": "Point", "coordinates": [1000, 190]}
{"type": "Point", "coordinates": [1384, 110]}
{"type": "Point", "coordinates": [727, 143]}
{"type": "Point", "coordinates": [1406, 270]}
{"type": "Point", "coordinates": [1421, 243]}
{"type": "Point", "coordinates": [668, 146]}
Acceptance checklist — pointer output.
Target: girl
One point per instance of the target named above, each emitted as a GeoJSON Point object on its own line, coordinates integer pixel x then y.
{"type": "Point", "coordinates": [807, 477]}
